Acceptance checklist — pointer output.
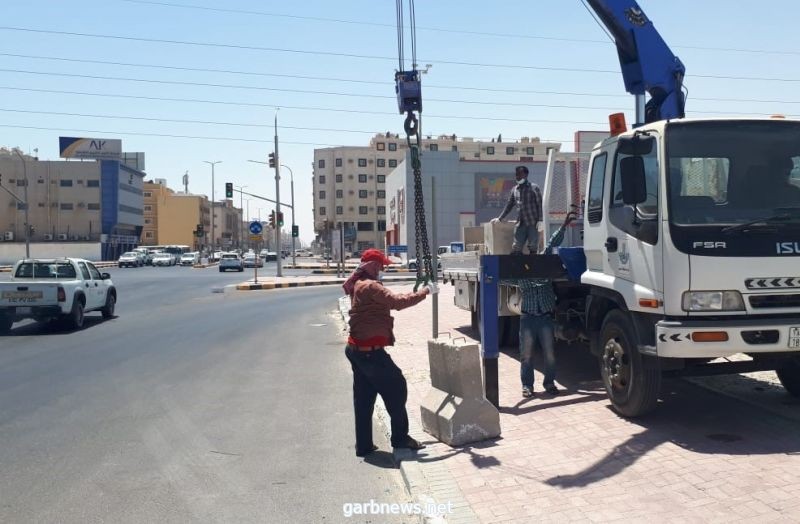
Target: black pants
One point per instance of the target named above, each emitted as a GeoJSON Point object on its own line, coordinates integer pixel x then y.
{"type": "Point", "coordinates": [375, 373]}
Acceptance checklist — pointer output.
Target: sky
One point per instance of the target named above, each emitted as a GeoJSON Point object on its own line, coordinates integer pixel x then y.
{"type": "Point", "coordinates": [188, 81]}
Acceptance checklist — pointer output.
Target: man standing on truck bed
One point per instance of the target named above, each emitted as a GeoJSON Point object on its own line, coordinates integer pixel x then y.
{"type": "Point", "coordinates": [529, 198]}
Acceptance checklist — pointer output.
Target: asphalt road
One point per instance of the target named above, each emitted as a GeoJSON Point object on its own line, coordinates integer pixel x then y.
{"type": "Point", "coordinates": [189, 406]}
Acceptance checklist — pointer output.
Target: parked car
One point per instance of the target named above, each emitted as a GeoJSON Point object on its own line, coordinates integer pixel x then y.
{"type": "Point", "coordinates": [62, 289]}
{"type": "Point", "coordinates": [147, 255]}
{"type": "Point", "coordinates": [230, 261]}
{"type": "Point", "coordinates": [190, 259]}
{"type": "Point", "coordinates": [412, 265]}
{"type": "Point", "coordinates": [252, 261]}
{"type": "Point", "coordinates": [164, 259]}
{"type": "Point", "coordinates": [130, 259]}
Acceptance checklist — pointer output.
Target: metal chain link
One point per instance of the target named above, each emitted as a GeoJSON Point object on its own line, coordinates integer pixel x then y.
{"type": "Point", "coordinates": [424, 271]}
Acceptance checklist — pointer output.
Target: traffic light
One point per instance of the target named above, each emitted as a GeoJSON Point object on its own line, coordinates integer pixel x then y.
{"type": "Point", "coordinates": [295, 231]}
{"type": "Point", "coordinates": [280, 218]}
{"type": "Point", "coordinates": [228, 190]}
{"type": "Point", "coordinates": [272, 220]}
{"type": "Point", "coordinates": [272, 160]}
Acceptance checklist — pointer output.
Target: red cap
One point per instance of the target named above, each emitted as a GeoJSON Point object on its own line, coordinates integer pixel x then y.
{"type": "Point", "coordinates": [375, 255]}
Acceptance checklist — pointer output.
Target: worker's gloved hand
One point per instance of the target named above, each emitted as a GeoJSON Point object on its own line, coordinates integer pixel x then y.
{"type": "Point", "coordinates": [431, 289]}
{"type": "Point", "coordinates": [495, 220]}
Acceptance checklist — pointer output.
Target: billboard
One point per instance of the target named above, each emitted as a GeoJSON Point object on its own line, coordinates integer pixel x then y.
{"type": "Point", "coordinates": [493, 189]}
{"type": "Point", "coordinates": [93, 148]}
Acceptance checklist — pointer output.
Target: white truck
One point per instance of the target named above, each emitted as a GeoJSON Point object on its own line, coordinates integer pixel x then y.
{"type": "Point", "coordinates": [691, 235]}
{"type": "Point", "coordinates": [61, 289]}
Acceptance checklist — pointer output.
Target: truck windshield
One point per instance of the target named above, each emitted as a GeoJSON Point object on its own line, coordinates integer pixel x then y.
{"type": "Point", "coordinates": [732, 172]}
{"type": "Point", "coordinates": [45, 270]}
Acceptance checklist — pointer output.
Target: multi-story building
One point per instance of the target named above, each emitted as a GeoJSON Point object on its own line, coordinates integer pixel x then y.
{"type": "Point", "coordinates": [349, 182]}
{"type": "Point", "coordinates": [227, 225]}
{"type": "Point", "coordinates": [71, 201]}
{"type": "Point", "coordinates": [172, 217]}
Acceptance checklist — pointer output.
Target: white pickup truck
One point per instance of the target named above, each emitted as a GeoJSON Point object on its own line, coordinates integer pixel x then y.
{"type": "Point", "coordinates": [61, 289]}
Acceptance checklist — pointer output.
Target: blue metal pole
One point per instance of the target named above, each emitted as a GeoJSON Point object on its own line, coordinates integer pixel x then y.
{"type": "Point", "coordinates": [489, 319]}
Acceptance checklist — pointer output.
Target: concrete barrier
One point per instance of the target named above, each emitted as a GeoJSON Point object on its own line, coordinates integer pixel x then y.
{"type": "Point", "coordinates": [455, 410]}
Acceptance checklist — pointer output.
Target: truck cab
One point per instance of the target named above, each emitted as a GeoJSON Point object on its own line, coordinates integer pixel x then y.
{"type": "Point", "coordinates": [691, 237]}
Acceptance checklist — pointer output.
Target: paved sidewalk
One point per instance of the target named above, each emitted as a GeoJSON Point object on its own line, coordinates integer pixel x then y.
{"type": "Point", "coordinates": [701, 457]}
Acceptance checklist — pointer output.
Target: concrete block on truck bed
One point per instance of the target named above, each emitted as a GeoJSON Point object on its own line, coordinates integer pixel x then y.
{"type": "Point", "coordinates": [473, 235]}
{"type": "Point", "coordinates": [498, 237]}
{"type": "Point", "coordinates": [455, 410]}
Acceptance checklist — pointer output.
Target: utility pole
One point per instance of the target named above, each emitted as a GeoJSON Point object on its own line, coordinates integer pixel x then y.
{"type": "Point", "coordinates": [278, 201]}
{"type": "Point", "coordinates": [212, 164]}
{"type": "Point", "coordinates": [291, 175]}
{"type": "Point", "coordinates": [27, 223]}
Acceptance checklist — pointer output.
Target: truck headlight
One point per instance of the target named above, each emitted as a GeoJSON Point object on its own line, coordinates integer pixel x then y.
{"type": "Point", "coordinates": [712, 301]}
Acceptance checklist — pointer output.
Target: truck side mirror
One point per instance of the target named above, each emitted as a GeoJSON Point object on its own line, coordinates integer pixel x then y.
{"type": "Point", "coordinates": [636, 145]}
{"type": "Point", "coordinates": [634, 187]}
{"type": "Point", "coordinates": [105, 276]}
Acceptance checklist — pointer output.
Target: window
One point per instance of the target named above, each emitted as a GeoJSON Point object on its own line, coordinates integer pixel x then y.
{"type": "Point", "coordinates": [362, 162]}
{"type": "Point", "coordinates": [392, 162]}
{"type": "Point", "coordinates": [362, 179]}
{"type": "Point", "coordinates": [339, 193]}
{"type": "Point", "coordinates": [381, 162]}
{"type": "Point", "coordinates": [529, 151]}
{"type": "Point", "coordinates": [509, 150]}
{"type": "Point", "coordinates": [433, 147]}
{"type": "Point", "coordinates": [338, 179]}
{"type": "Point", "coordinates": [322, 211]}
{"type": "Point", "coordinates": [93, 207]}
{"type": "Point", "coordinates": [490, 150]}
{"type": "Point", "coordinates": [338, 162]}
{"type": "Point", "coordinates": [20, 182]}
{"type": "Point", "coordinates": [41, 204]}
{"type": "Point", "coordinates": [362, 193]}
{"type": "Point", "coordinates": [362, 210]}
{"type": "Point", "coordinates": [381, 225]}
{"type": "Point", "coordinates": [453, 148]}
{"type": "Point", "coordinates": [366, 226]}
{"type": "Point", "coordinates": [322, 179]}
{"type": "Point", "coordinates": [381, 193]}
{"type": "Point", "coordinates": [40, 181]}
{"type": "Point", "coordinates": [148, 208]}
{"type": "Point", "coordinates": [148, 194]}
{"type": "Point", "coordinates": [92, 183]}
{"type": "Point", "coordinates": [84, 271]}
{"type": "Point", "coordinates": [321, 163]}
{"type": "Point", "coordinates": [622, 215]}
{"type": "Point", "coordinates": [595, 206]}
{"type": "Point", "coordinates": [148, 234]}
{"type": "Point", "coordinates": [65, 183]}
{"type": "Point", "coordinates": [148, 221]}
{"type": "Point", "coordinates": [381, 210]}
{"type": "Point", "coordinates": [66, 207]}
{"type": "Point", "coordinates": [380, 146]}
{"type": "Point", "coordinates": [339, 210]}
{"type": "Point", "coordinates": [392, 146]}
{"type": "Point", "coordinates": [95, 273]}
{"type": "Point", "coordinates": [322, 195]}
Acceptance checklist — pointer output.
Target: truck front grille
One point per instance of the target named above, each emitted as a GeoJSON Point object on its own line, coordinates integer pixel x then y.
{"type": "Point", "coordinates": [775, 301]}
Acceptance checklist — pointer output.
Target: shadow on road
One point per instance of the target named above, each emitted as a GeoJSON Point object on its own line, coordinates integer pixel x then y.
{"type": "Point", "coordinates": [52, 328]}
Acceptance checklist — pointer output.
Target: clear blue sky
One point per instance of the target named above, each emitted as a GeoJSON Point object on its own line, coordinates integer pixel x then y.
{"type": "Point", "coordinates": [746, 42]}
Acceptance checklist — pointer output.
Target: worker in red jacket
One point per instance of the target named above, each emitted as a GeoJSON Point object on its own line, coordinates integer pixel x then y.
{"type": "Point", "coordinates": [374, 372]}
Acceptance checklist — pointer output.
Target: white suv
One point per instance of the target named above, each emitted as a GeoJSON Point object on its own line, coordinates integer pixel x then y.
{"type": "Point", "coordinates": [230, 261]}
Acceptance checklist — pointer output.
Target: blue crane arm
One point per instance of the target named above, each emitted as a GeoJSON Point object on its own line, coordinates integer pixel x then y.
{"type": "Point", "coordinates": [648, 65]}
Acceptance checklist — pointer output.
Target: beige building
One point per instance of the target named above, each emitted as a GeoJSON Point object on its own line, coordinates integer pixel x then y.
{"type": "Point", "coordinates": [172, 218]}
{"type": "Point", "coordinates": [227, 225]}
{"type": "Point", "coordinates": [349, 182]}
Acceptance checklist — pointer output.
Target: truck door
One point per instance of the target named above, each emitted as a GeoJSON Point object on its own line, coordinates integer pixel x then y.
{"type": "Point", "coordinates": [100, 285]}
{"type": "Point", "coordinates": [88, 287]}
{"type": "Point", "coordinates": [633, 243]}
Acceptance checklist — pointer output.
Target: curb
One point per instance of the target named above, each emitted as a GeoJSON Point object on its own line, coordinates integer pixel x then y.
{"type": "Point", "coordinates": [427, 480]}
{"type": "Point", "coordinates": [279, 285]}
{"type": "Point", "coordinates": [205, 266]}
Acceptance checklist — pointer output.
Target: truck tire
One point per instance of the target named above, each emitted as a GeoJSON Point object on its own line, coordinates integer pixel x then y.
{"type": "Point", "coordinates": [632, 387]}
{"type": "Point", "coordinates": [108, 309]}
{"type": "Point", "coordinates": [75, 318]}
{"type": "Point", "coordinates": [789, 375]}
{"type": "Point", "coordinates": [6, 322]}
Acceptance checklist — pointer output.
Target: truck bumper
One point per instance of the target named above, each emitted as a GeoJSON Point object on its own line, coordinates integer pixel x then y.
{"type": "Point", "coordinates": [36, 312]}
{"type": "Point", "coordinates": [722, 338]}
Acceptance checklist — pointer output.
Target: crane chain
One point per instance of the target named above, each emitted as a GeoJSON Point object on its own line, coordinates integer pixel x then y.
{"type": "Point", "coordinates": [424, 271]}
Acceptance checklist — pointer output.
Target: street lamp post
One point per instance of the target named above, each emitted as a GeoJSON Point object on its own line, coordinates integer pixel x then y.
{"type": "Point", "coordinates": [27, 223]}
{"type": "Point", "coordinates": [212, 164]}
{"type": "Point", "coordinates": [291, 177]}
{"type": "Point", "coordinates": [241, 207]}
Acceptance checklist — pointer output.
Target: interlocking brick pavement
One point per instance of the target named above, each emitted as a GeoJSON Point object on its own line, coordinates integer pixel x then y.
{"type": "Point", "coordinates": [701, 457]}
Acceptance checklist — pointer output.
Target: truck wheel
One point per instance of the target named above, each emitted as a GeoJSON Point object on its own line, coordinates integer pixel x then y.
{"type": "Point", "coordinates": [632, 389]}
{"type": "Point", "coordinates": [5, 324]}
{"type": "Point", "coordinates": [75, 318]}
{"type": "Point", "coordinates": [108, 309]}
{"type": "Point", "coordinates": [789, 375]}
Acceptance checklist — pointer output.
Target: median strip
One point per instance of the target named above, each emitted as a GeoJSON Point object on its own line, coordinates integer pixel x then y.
{"type": "Point", "coordinates": [249, 286]}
